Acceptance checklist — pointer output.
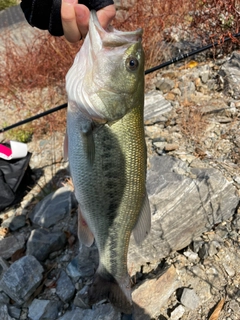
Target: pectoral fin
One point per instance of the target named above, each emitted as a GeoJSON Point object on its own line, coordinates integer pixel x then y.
{"type": "Point", "coordinates": [143, 225]}
{"type": "Point", "coordinates": [84, 233]}
{"type": "Point", "coordinates": [88, 141]}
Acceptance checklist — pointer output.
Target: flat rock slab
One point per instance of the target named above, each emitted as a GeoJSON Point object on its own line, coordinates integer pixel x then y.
{"type": "Point", "coordinates": [52, 208]}
{"type": "Point", "coordinates": [185, 202]}
{"type": "Point", "coordinates": [155, 106]}
{"type": "Point", "coordinates": [21, 279]}
{"type": "Point", "coordinates": [151, 295]}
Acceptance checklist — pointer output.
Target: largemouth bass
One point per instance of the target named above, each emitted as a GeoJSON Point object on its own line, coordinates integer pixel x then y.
{"type": "Point", "coordinates": [107, 153]}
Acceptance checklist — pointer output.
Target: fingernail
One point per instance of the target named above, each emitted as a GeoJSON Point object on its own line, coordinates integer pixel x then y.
{"type": "Point", "coordinates": [69, 1]}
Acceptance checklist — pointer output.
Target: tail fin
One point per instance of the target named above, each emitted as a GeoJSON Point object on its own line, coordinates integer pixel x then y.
{"type": "Point", "coordinates": [105, 286]}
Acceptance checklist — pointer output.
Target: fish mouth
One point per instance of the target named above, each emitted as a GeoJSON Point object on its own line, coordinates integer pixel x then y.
{"type": "Point", "coordinates": [110, 37]}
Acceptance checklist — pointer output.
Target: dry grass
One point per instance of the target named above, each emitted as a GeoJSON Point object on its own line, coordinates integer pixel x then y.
{"type": "Point", "coordinates": [32, 77]}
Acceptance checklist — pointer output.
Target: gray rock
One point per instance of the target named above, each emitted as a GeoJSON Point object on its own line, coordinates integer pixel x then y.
{"type": "Point", "coordinates": [204, 75]}
{"type": "Point", "coordinates": [65, 289]}
{"type": "Point", "coordinates": [230, 72]}
{"type": "Point", "coordinates": [192, 256]}
{"type": "Point", "coordinates": [9, 245]}
{"type": "Point", "coordinates": [81, 298]}
{"type": "Point", "coordinates": [4, 265]}
{"type": "Point", "coordinates": [21, 279]}
{"type": "Point", "coordinates": [182, 207]}
{"type": "Point", "coordinates": [52, 208]}
{"type": "Point", "coordinates": [14, 311]}
{"type": "Point", "coordinates": [44, 309]}
{"type": "Point", "coordinates": [204, 251]}
{"type": "Point", "coordinates": [42, 242]}
{"type": "Point", "coordinates": [165, 85]}
{"type": "Point", "coordinates": [213, 248]}
{"type": "Point", "coordinates": [155, 106]}
{"type": "Point", "coordinates": [72, 270]}
{"type": "Point", "coordinates": [85, 264]}
{"type": "Point", "coordinates": [177, 313]}
{"type": "Point", "coordinates": [101, 312]}
{"type": "Point", "coordinates": [189, 299]}
{"type": "Point", "coordinates": [187, 87]}
{"type": "Point", "coordinates": [15, 222]}
{"type": "Point", "coordinates": [234, 306]}
{"type": "Point", "coordinates": [4, 312]}
{"type": "Point", "coordinates": [4, 299]}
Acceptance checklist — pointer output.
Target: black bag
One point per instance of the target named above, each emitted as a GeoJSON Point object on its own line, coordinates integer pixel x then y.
{"type": "Point", "coordinates": [15, 177]}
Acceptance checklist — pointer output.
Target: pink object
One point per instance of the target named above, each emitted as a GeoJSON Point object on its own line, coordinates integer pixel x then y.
{"type": "Point", "coordinates": [5, 150]}
{"type": "Point", "coordinates": [15, 150]}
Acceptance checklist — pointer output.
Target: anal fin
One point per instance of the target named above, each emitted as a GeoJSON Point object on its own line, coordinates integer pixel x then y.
{"type": "Point", "coordinates": [143, 225]}
{"type": "Point", "coordinates": [85, 235]}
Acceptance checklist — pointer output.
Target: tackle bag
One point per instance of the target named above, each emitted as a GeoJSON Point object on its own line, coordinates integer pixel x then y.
{"type": "Point", "coordinates": [15, 177]}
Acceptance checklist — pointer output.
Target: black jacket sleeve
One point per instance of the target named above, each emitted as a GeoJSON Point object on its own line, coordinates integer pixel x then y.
{"type": "Point", "coordinates": [46, 14]}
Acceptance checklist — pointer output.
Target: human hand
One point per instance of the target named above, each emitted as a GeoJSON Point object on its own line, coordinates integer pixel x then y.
{"type": "Point", "coordinates": [75, 19]}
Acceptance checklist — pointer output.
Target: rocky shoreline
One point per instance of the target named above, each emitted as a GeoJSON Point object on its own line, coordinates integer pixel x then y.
{"type": "Point", "coordinates": [190, 261]}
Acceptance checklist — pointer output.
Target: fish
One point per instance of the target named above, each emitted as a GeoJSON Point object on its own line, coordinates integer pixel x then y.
{"type": "Point", "coordinates": [106, 149]}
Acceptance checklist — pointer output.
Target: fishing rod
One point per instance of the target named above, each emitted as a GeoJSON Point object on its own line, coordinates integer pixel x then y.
{"type": "Point", "coordinates": [37, 116]}
{"type": "Point", "coordinates": [187, 55]}
{"type": "Point", "coordinates": [160, 66]}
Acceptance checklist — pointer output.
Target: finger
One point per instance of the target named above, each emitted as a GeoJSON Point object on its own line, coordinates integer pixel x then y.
{"type": "Point", "coordinates": [106, 15]}
{"type": "Point", "coordinates": [82, 18]}
{"type": "Point", "coordinates": [69, 23]}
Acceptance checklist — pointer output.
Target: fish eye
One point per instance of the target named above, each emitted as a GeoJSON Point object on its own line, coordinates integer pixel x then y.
{"type": "Point", "coordinates": [132, 63]}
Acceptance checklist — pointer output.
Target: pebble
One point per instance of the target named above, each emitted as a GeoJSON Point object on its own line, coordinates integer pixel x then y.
{"type": "Point", "coordinates": [189, 299]}
{"type": "Point", "coordinates": [165, 85]}
{"type": "Point", "coordinates": [65, 288]}
{"type": "Point", "coordinates": [177, 313]}
{"type": "Point", "coordinates": [44, 309]}
{"type": "Point", "coordinates": [234, 306]}
{"type": "Point", "coordinates": [171, 146]}
{"type": "Point", "coordinates": [228, 268]}
{"type": "Point", "coordinates": [81, 298]}
{"type": "Point", "coordinates": [192, 256]}
{"type": "Point", "coordinates": [213, 248]}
